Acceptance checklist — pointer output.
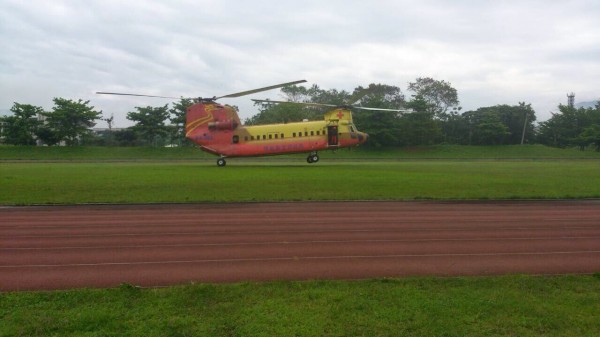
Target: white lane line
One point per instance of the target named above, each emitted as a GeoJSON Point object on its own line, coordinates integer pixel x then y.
{"type": "Point", "coordinates": [478, 229]}
{"type": "Point", "coordinates": [294, 258]}
{"type": "Point", "coordinates": [233, 244]}
{"type": "Point", "coordinates": [277, 222]}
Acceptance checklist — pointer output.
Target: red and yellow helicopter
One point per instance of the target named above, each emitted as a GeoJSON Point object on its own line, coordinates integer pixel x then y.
{"type": "Point", "coordinates": [217, 129]}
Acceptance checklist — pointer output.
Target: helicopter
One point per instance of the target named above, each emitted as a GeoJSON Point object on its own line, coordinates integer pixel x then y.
{"type": "Point", "coordinates": [217, 129]}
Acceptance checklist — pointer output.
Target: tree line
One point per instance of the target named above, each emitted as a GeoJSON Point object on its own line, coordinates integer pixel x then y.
{"type": "Point", "coordinates": [435, 118]}
{"type": "Point", "coordinates": [70, 123]}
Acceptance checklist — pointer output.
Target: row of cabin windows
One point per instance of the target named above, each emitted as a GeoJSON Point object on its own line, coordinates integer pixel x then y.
{"type": "Point", "coordinates": [277, 136]}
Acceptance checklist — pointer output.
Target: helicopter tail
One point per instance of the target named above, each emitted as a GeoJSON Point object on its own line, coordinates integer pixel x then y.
{"type": "Point", "coordinates": [208, 117]}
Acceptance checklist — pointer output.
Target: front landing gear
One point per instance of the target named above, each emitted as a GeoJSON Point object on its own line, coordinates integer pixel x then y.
{"type": "Point", "coordinates": [221, 162]}
{"type": "Point", "coordinates": [313, 157]}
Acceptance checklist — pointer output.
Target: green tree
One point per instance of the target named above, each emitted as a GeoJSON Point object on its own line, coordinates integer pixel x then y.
{"type": "Point", "coordinates": [150, 124]}
{"type": "Point", "coordinates": [485, 127]}
{"type": "Point", "coordinates": [270, 113]}
{"type": "Point", "coordinates": [441, 97]}
{"type": "Point", "coordinates": [419, 127]}
{"type": "Point", "coordinates": [126, 137]}
{"type": "Point", "coordinates": [591, 135]}
{"type": "Point", "coordinates": [298, 93]}
{"type": "Point", "coordinates": [69, 121]}
{"type": "Point", "coordinates": [23, 126]}
{"type": "Point", "coordinates": [378, 96]}
{"type": "Point", "coordinates": [383, 127]}
{"type": "Point", "coordinates": [565, 128]}
{"type": "Point", "coordinates": [285, 113]}
{"type": "Point", "coordinates": [178, 113]}
{"type": "Point", "coordinates": [514, 118]}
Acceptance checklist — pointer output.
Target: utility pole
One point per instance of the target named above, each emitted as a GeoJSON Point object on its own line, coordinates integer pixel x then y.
{"type": "Point", "coordinates": [524, 127]}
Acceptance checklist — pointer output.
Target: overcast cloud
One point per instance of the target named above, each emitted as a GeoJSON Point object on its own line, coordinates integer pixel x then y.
{"type": "Point", "coordinates": [492, 52]}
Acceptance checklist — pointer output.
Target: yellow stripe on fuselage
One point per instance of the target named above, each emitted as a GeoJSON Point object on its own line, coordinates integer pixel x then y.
{"type": "Point", "coordinates": [198, 122]}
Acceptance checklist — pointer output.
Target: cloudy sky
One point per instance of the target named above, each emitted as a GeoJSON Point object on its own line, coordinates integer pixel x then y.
{"type": "Point", "coordinates": [492, 52]}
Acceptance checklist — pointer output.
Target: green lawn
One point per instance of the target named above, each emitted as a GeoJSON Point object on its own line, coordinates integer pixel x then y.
{"type": "Point", "coordinates": [245, 181]}
{"type": "Point", "coordinates": [192, 153]}
{"type": "Point", "coordinates": [477, 306]}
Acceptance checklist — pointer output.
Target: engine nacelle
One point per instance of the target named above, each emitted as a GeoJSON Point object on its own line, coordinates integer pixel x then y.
{"type": "Point", "coordinates": [229, 124]}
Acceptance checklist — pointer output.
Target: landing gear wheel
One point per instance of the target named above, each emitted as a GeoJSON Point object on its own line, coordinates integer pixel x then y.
{"type": "Point", "coordinates": [315, 158]}
{"type": "Point", "coordinates": [221, 162]}
{"type": "Point", "coordinates": [312, 158]}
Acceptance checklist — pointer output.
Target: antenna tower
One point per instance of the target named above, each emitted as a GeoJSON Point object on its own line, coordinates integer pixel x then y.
{"type": "Point", "coordinates": [571, 100]}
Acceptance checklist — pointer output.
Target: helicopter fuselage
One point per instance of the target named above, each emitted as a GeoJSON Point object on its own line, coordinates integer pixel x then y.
{"type": "Point", "coordinates": [217, 129]}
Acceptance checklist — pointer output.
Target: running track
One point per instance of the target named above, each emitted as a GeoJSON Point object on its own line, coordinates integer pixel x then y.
{"type": "Point", "coordinates": [61, 247]}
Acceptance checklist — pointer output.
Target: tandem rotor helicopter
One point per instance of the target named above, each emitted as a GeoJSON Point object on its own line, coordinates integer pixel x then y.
{"type": "Point", "coordinates": [217, 129]}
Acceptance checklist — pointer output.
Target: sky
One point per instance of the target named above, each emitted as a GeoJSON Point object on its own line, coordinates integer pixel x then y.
{"type": "Point", "coordinates": [492, 52]}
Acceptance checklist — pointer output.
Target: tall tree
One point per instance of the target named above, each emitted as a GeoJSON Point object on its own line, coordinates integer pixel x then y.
{"type": "Point", "coordinates": [178, 113]}
{"type": "Point", "coordinates": [150, 123]}
{"type": "Point", "coordinates": [69, 121]}
{"type": "Point", "coordinates": [485, 127]}
{"type": "Point", "coordinates": [270, 113]}
{"type": "Point", "coordinates": [565, 128]}
{"type": "Point", "coordinates": [514, 118]}
{"type": "Point", "coordinates": [378, 96]}
{"type": "Point", "coordinates": [440, 95]}
{"type": "Point", "coordinates": [284, 113]}
{"type": "Point", "coordinates": [419, 127]}
{"type": "Point", "coordinates": [591, 135]}
{"type": "Point", "coordinates": [382, 126]}
{"type": "Point", "coordinates": [22, 127]}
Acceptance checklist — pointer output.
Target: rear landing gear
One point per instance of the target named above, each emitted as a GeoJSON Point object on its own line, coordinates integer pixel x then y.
{"type": "Point", "coordinates": [221, 162]}
{"type": "Point", "coordinates": [313, 157]}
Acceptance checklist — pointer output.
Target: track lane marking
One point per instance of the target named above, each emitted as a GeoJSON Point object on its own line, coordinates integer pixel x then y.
{"type": "Point", "coordinates": [296, 258]}
{"type": "Point", "coordinates": [273, 221]}
{"type": "Point", "coordinates": [478, 229]}
{"type": "Point", "coordinates": [298, 243]}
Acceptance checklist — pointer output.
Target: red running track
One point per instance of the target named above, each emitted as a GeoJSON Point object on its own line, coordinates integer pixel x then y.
{"type": "Point", "coordinates": [61, 247]}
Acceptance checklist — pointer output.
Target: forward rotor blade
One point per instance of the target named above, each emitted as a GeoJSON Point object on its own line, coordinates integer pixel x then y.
{"type": "Point", "coordinates": [248, 92]}
{"type": "Point", "coordinates": [139, 95]}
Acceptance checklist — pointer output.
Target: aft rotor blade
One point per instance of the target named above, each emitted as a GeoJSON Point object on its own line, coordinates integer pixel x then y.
{"type": "Point", "coordinates": [333, 105]}
{"type": "Point", "coordinates": [139, 95]}
{"type": "Point", "coordinates": [248, 92]}
{"type": "Point", "coordinates": [300, 103]}
{"type": "Point", "coordinates": [380, 109]}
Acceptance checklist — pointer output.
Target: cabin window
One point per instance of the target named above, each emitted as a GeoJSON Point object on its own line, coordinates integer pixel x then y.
{"type": "Point", "coordinates": [312, 133]}
{"type": "Point", "coordinates": [264, 137]}
{"type": "Point", "coordinates": [282, 136]}
{"type": "Point", "coordinates": [305, 133]}
{"type": "Point", "coordinates": [294, 134]}
{"type": "Point", "coordinates": [236, 139]}
{"type": "Point", "coordinates": [270, 136]}
{"type": "Point", "coordinates": [251, 137]}
{"type": "Point", "coordinates": [318, 133]}
{"type": "Point", "coordinates": [276, 136]}
{"type": "Point", "coordinates": [299, 134]}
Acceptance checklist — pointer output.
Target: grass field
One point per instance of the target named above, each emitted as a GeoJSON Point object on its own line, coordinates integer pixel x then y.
{"type": "Point", "coordinates": [245, 181]}
{"type": "Point", "coordinates": [478, 306]}
{"type": "Point", "coordinates": [191, 153]}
